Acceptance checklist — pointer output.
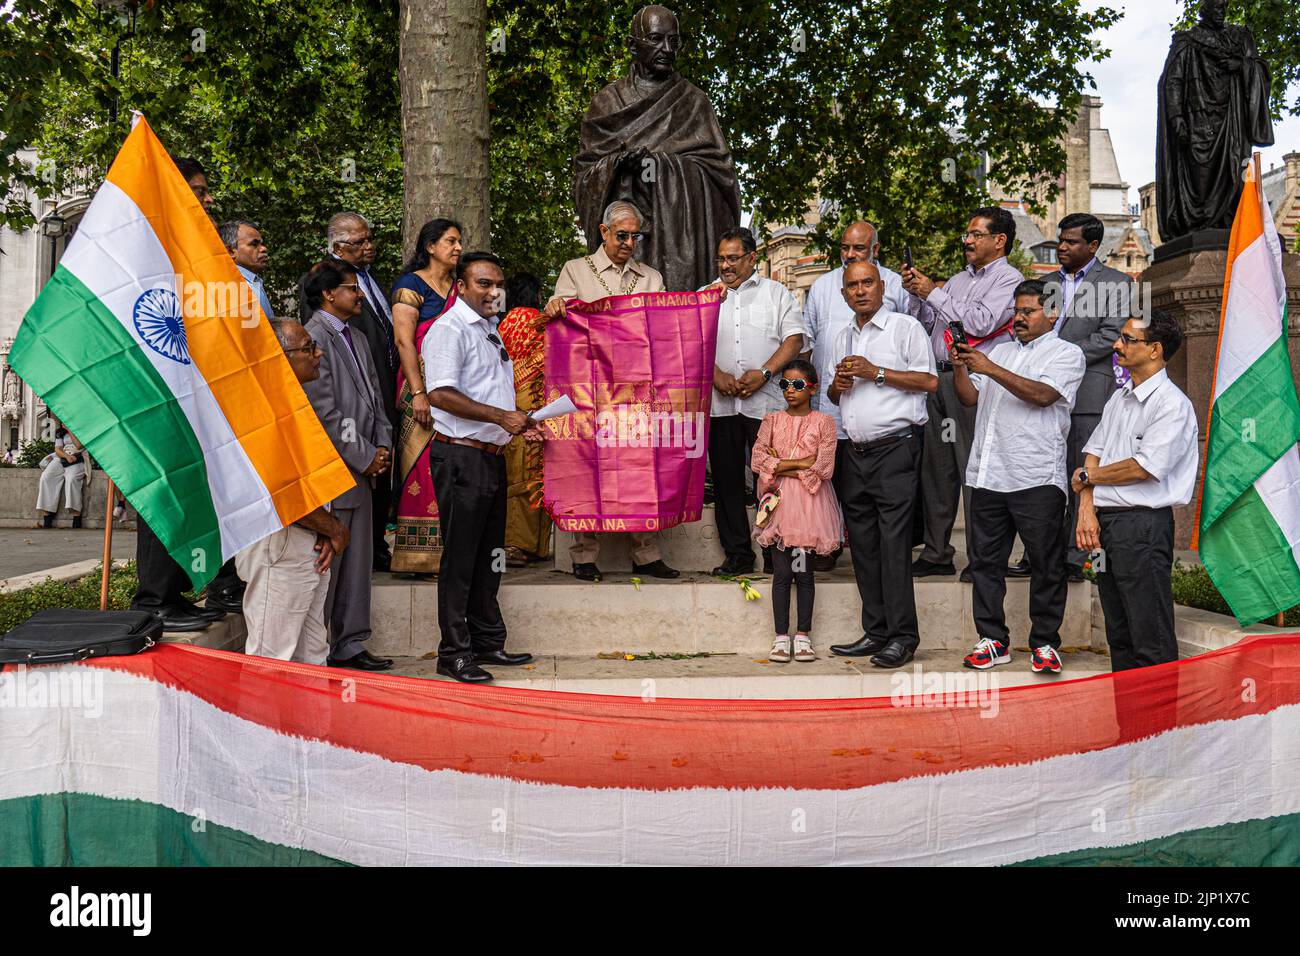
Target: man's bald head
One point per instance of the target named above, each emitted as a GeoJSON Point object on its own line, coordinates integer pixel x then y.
{"type": "Point", "coordinates": [859, 243]}
{"type": "Point", "coordinates": [863, 290]}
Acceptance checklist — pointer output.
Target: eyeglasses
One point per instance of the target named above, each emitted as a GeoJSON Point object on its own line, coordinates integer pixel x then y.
{"type": "Point", "coordinates": [797, 384]}
{"type": "Point", "coordinates": [1025, 312]}
{"type": "Point", "coordinates": [621, 236]}
{"type": "Point", "coordinates": [965, 236]}
{"type": "Point", "coordinates": [367, 241]}
{"type": "Point", "coordinates": [673, 40]}
{"type": "Point", "coordinates": [309, 348]}
{"type": "Point", "coordinates": [348, 285]}
{"type": "Point", "coordinates": [505, 356]}
{"type": "Point", "coordinates": [1131, 340]}
{"type": "Point", "coordinates": [730, 260]}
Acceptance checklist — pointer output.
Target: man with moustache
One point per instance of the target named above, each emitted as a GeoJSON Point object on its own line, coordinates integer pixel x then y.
{"type": "Point", "coordinates": [826, 313]}
{"type": "Point", "coordinates": [1023, 390]}
{"type": "Point", "coordinates": [880, 369]}
{"type": "Point", "coordinates": [1138, 466]}
{"type": "Point", "coordinates": [760, 329]}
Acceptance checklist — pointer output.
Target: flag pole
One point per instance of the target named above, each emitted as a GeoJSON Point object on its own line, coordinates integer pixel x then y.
{"type": "Point", "coordinates": [108, 545]}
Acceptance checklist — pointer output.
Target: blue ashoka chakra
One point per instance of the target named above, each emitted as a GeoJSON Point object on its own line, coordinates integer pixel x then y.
{"type": "Point", "coordinates": [157, 316]}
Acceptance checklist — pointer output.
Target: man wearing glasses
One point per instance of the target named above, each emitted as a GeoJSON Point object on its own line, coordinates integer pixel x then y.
{"type": "Point", "coordinates": [1138, 466]}
{"type": "Point", "coordinates": [471, 385]}
{"type": "Point", "coordinates": [349, 239]}
{"type": "Point", "coordinates": [611, 270]}
{"type": "Point", "coordinates": [980, 299]}
{"type": "Point", "coordinates": [760, 329]}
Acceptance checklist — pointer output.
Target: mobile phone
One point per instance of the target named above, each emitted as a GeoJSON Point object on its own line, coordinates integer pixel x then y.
{"type": "Point", "coordinates": [958, 332]}
{"type": "Point", "coordinates": [907, 256]}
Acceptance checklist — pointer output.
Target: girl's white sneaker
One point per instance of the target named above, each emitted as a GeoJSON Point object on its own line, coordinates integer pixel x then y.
{"type": "Point", "coordinates": [803, 649]}
{"type": "Point", "coordinates": [780, 652]}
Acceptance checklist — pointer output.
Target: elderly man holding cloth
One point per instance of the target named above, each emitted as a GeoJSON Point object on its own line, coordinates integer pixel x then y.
{"type": "Point", "coordinates": [611, 270]}
{"type": "Point", "coordinates": [1023, 390]}
{"type": "Point", "coordinates": [979, 299]}
{"type": "Point", "coordinates": [288, 572]}
{"type": "Point", "coordinates": [760, 329]}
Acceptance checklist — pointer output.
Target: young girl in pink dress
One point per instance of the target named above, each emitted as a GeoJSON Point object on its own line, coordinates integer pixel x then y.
{"type": "Point", "coordinates": [794, 456]}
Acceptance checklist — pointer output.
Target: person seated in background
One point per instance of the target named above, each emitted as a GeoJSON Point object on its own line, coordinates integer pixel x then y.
{"type": "Point", "coordinates": [64, 474]}
{"type": "Point", "coordinates": [288, 572]}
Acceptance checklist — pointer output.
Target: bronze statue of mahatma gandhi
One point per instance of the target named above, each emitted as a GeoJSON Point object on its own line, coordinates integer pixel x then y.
{"type": "Point", "coordinates": [653, 139]}
{"type": "Point", "coordinates": [1213, 110]}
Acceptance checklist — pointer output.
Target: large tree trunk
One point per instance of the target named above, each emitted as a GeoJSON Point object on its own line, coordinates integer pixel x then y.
{"type": "Point", "coordinates": [443, 75]}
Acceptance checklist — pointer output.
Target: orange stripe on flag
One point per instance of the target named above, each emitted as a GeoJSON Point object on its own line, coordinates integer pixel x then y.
{"type": "Point", "coordinates": [245, 367]}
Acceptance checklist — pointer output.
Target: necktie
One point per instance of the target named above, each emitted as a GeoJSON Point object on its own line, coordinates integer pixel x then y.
{"type": "Point", "coordinates": [347, 337]}
{"type": "Point", "coordinates": [381, 312]}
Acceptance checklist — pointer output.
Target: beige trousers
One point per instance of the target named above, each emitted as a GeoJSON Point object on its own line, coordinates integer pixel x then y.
{"type": "Point", "coordinates": [586, 546]}
{"type": "Point", "coordinates": [284, 605]}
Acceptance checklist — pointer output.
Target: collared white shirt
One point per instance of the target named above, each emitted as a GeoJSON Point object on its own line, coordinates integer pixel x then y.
{"type": "Point", "coordinates": [981, 299]}
{"type": "Point", "coordinates": [458, 353]}
{"type": "Point", "coordinates": [1069, 286]}
{"type": "Point", "coordinates": [1018, 444]}
{"type": "Point", "coordinates": [894, 342]}
{"type": "Point", "coordinates": [752, 323]}
{"type": "Point", "coordinates": [825, 313]}
{"type": "Point", "coordinates": [1155, 424]}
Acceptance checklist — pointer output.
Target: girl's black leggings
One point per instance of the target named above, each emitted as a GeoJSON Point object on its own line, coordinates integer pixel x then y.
{"type": "Point", "coordinates": [784, 561]}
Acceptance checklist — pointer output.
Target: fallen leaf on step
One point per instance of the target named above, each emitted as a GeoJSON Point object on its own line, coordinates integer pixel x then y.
{"type": "Point", "coordinates": [529, 667]}
{"type": "Point", "coordinates": [432, 655]}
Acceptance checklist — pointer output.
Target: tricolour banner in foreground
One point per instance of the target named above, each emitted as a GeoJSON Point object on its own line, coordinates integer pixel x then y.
{"type": "Point", "coordinates": [1250, 500]}
{"type": "Point", "coordinates": [149, 346]}
{"type": "Point", "coordinates": [184, 755]}
{"type": "Point", "coordinates": [639, 368]}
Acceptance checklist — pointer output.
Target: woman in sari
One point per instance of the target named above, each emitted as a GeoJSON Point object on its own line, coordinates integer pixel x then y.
{"type": "Point", "coordinates": [422, 294]}
{"type": "Point", "coordinates": [522, 331]}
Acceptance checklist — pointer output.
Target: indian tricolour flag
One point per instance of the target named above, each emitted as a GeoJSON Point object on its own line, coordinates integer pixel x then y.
{"type": "Point", "coordinates": [185, 755]}
{"type": "Point", "coordinates": [1250, 501]}
{"type": "Point", "coordinates": [147, 346]}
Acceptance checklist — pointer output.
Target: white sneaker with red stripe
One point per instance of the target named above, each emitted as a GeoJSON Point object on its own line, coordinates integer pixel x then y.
{"type": "Point", "coordinates": [1045, 659]}
{"type": "Point", "coordinates": [987, 654]}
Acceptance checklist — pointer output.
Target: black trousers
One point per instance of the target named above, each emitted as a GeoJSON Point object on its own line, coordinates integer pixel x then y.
{"type": "Point", "coordinates": [879, 494]}
{"type": "Point", "coordinates": [161, 582]}
{"type": "Point", "coordinates": [1038, 516]}
{"type": "Point", "coordinates": [470, 486]}
{"type": "Point", "coordinates": [784, 562]}
{"type": "Point", "coordinates": [731, 441]}
{"type": "Point", "coordinates": [1133, 571]}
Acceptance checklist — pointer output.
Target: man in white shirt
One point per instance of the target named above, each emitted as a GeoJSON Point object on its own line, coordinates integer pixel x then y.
{"type": "Point", "coordinates": [471, 385]}
{"type": "Point", "coordinates": [1024, 390]}
{"type": "Point", "coordinates": [826, 313]}
{"type": "Point", "coordinates": [979, 297]}
{"type": "Point", "coordinates": [1138, 466]}
{"type": "Point", "coordinates": [760, 329]}
{"type": "Point", "coordinates": [611, 270]}
{"type": "Point", "coordinates": [880, 370]}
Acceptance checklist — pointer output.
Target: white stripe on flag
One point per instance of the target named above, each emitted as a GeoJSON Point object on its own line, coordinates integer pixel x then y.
{"type": "Point", "coordinates": [1252, 321]}
{"type": "Point", "coordinates": [118, 257]}
{"type": "Point", "coordinates": [164, 746]}
{"type": "Point", "coordinates": [1279, 487]}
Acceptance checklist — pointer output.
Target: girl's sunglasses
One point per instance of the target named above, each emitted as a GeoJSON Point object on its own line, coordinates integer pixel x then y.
{"type": "Point", "coordinates": [797, 384]}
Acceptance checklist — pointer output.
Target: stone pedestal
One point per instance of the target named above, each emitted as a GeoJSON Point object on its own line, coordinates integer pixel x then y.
{"type": "Point", "coordinates": [1188, 284]}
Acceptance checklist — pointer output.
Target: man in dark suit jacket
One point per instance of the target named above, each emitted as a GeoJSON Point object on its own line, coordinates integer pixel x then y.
{"type": "Point", "coordinates": [351, 241]}
{"type": "Point", "coordinates": [1093, 301]}
{"type": "Point", "coordinates": [347, 402]}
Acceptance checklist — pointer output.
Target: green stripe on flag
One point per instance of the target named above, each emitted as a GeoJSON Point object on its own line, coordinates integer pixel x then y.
{"type": "Point", "coordinates": [1254, 422]}
{"type": "Point", "coordinates": [1250, 560]}
{"type": "Point", "coordinates": [76, 355]}
{"type": "Point", "coordinates": [81, 829]}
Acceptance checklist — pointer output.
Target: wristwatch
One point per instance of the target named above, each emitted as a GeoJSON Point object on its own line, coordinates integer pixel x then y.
{"type": "Point", "coordinates": [880, 376]}
{"type": "Point", "coordinates": [1083, 476]}
{"type": "Point", "coordinates": [767, 376]}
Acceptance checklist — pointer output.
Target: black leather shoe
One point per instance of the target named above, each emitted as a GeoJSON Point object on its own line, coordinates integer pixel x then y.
{"type": "Point", "coordinates": [732, 569]}
{"type": "Point", "coordinates": [464, 670]}
{"type": "Point", "coordinates": [922, 568]}
{"type": "Point", "coordinates": [864, 647]}
{"type": "Point", "coordinates": [1019, 570]}
{"type": "Point", "coordinates": [178, 619]}
{"type": "Point", "coordinates": [1074, 573]}
{"type": "Point", "coordinates": [586, 572]}
{"type": "Point", "coordinates": [656, 569]}
{"type": "Point", "coordinates": [827, 562]}
{"type": "Point", "coordinates": [382, 562]}
{"type": "Point", "coordinates": [503, 659]}
{"type": "Point", "coordinates": [895, 655]}
{"type": "Point", "coordinates": [365, 661]}
{"type": "Point", "coordinates": [231, 602]}
{"type": "Point", "coordinates": [966, 577]}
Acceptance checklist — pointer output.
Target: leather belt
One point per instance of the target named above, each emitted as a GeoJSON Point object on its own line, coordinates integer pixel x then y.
{"type": "Point", "coordinates": [944, 366]}
{"type": "Point", "coordinates": [484, 446]}
{"type": "Point", "coordinates": [861, 447]}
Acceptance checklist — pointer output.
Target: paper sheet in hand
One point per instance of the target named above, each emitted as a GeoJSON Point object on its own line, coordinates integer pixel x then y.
{"type": "Point", "coordinates": [561, 406]}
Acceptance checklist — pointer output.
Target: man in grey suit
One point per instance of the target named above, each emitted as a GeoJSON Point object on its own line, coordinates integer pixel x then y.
{"type": "Point", "coordinates": [1092, 301]}
{"type": "Point", "coordinates": [347, 400]}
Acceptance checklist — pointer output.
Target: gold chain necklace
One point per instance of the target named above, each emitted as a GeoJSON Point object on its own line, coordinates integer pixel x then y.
{"type": "Point", "coordinates": [627, 288]}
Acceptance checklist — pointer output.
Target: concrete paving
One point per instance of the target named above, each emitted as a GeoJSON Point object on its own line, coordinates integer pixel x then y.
{"type": "Point", "coordinates": [28, 550]}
